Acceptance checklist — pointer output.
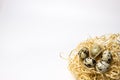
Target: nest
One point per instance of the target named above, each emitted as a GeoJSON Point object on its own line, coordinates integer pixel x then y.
{"type": "Point", "coordinates": [107, 42]}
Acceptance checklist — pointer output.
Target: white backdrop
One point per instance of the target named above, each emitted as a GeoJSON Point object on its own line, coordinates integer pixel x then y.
{"type": "Point", "coordinates": [34, 32]}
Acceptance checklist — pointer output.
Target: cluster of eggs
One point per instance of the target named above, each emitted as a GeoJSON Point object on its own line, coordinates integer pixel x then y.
{"type": "Point", "coordinates": [89, 58]}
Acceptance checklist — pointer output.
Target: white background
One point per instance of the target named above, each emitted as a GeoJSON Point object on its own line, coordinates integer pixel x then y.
{"type": "Point", "coordinates": [34, 32]}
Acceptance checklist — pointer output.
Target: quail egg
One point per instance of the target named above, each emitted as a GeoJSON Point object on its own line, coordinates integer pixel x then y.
{"type": "Point", "coordinates": [83, 53]}
{"type": "Point", "coordinates": [95, 50]}
{"type": "Point", "coordinates": [106, 56]}
{"type": "Point", "coordinates": [102, 66]}
{"type": "Point", "coordinates": [89, 62]}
